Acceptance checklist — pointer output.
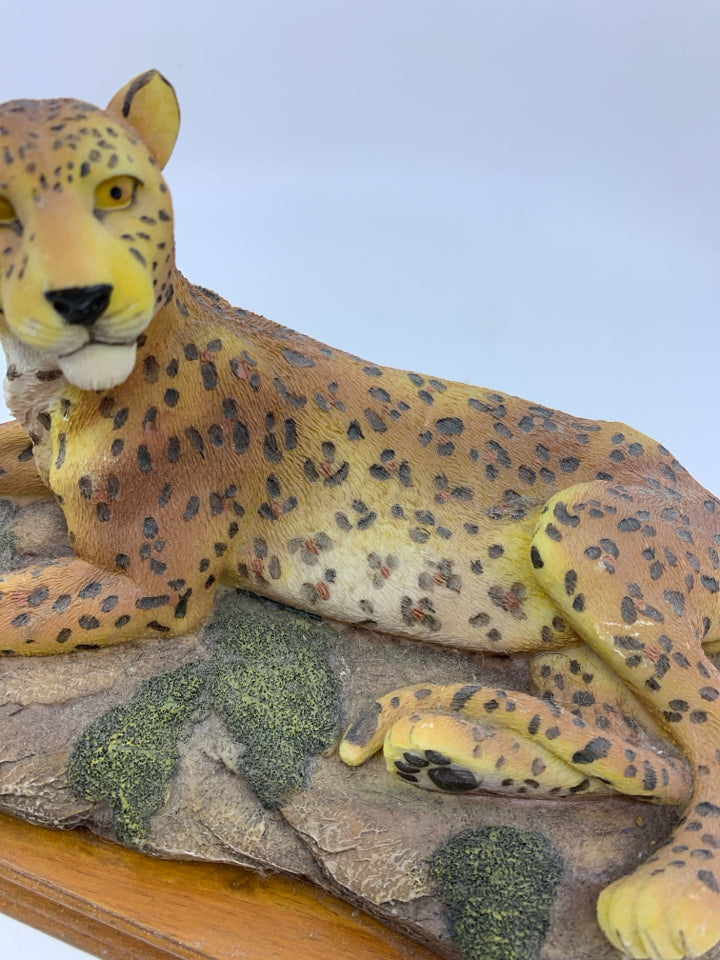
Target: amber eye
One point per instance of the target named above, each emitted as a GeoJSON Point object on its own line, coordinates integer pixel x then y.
{"type": "Point", "coordinates": [117, 193]}
{"type": "Point", "coordinates": [7, 212]}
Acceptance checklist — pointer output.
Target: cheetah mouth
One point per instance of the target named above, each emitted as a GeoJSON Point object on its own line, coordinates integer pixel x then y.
{"type": "Point", "coordinates": [97, 340]}
{"type": "Point", "coordinates": [98, 364]}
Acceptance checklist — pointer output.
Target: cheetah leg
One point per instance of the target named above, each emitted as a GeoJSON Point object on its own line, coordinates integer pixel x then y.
{"type": "Point", "coordinates": [488, 736]}
{"type": "Point", "coordinates": [18, 477]}
{"type": "Point", "coordinates": [72, 604]}
{"type": "Point", "coordinates": [633, 579]}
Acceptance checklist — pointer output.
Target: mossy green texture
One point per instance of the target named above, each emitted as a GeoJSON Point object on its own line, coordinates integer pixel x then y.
{"type": "Point", "coordinates": [275, 691]}
{"type": "Point", "coordinates": [498, 884]}
{"type": "Point", "coordinates": [129, 756]}
{"type": "Point", "coordinates": [268, 678]}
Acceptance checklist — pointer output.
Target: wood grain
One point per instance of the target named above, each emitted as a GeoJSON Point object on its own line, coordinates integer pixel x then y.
{"type": "Point", "coordinates": [120, 905]}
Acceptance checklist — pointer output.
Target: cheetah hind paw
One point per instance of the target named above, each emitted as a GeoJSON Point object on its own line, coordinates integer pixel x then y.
{"type": "Point", "coordinates": [455, 755]}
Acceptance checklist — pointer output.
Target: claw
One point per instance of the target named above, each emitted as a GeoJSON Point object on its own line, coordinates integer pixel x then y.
{"type": "Point", "coordinates": [621, 940]}
{"type": "Point", "coordinates": [654, 952]}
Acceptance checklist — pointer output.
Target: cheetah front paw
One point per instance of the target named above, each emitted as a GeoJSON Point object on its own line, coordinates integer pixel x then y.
{"type": "Point", "coordinates": [664, 911]}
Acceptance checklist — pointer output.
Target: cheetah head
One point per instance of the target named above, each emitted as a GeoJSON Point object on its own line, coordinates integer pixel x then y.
{"type": "Point", "coordinates": [86, 241]}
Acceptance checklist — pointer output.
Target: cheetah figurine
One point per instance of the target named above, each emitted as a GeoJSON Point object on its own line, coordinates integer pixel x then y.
{"type": "Point", "coordinates": [192, 444]}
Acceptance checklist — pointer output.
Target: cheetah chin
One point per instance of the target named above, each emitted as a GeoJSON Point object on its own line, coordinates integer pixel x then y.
{"type": "Point", "coordinates": [99, 366]}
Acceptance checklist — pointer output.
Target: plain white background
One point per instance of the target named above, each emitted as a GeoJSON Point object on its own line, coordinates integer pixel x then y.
{"type": "Point", "coordinates": [520, 195]}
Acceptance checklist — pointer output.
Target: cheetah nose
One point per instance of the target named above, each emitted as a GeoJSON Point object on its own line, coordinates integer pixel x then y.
{"type": "Point", "coordinates": [81, 305]}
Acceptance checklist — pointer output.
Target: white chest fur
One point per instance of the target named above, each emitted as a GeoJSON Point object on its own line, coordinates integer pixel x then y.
{"type": "Point", "coordinates": [33, 384]}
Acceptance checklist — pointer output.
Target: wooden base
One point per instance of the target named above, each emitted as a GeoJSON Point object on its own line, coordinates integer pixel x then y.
{"type": "Point", "coordinates": [118, 904]}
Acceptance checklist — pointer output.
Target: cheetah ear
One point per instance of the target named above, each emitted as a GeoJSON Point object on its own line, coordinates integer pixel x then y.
{"type": "Point", "coordinates": [149, 104]}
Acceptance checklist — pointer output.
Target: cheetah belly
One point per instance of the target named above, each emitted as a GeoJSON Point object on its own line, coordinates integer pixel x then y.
{"type": "Point", "coordinates": [483, 596]}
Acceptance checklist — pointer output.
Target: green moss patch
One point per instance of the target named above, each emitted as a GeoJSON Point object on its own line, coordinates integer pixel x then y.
{"type": "Point", "coordinates": [268, 678]}
{"type": "Point", "coordinates": [498, 884]}
{"type": "Point", "coordinates": [275, 690]}
{"type": "Point", "coordinates": [129, 756]}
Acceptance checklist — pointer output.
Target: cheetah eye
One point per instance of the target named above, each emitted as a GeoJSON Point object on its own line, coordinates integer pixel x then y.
{"type": "Point", "coordinates": [117, 193]}
{"type": "Point", "coordinates": [7, 213]}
